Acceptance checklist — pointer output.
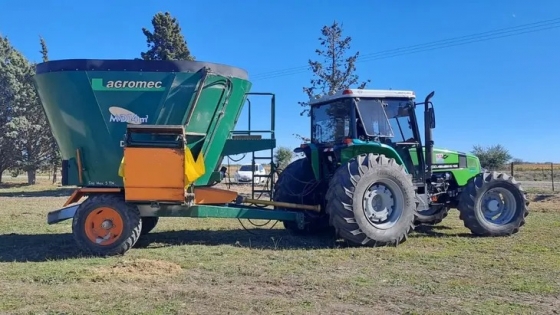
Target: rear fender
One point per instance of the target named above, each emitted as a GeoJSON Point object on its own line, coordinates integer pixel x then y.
{"type": "Point", "coordinates": [358, 147]}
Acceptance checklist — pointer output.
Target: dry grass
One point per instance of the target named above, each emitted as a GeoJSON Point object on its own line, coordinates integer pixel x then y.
{"type": "Point", "coordinates": [536, 167]}
{"type": "Point", "coordinates": [534, 171]}
{"type": "Point", "coordinates": [212, 266]}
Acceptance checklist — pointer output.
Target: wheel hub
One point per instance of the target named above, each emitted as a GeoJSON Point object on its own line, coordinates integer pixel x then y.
{"type": "Point", "coordinates": [107, 224]}
{"type": "Point", "coordinates": [498, 206]}
{"type": "Point", "coordinates": [378, 203]}
{"type": "Point", "coordinates": [103, 226]}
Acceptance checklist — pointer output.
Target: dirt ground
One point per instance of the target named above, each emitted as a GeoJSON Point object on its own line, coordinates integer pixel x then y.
{"type": "Point", "coordinates": [213, 266]}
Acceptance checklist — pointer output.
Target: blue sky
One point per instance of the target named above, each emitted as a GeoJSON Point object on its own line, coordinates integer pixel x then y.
{"type": "Point", "coordinates": [490, 92]}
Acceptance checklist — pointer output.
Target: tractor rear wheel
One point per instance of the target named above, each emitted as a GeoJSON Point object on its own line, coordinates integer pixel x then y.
{"type": "Point", "coordinates": [297, 184]}
{"type": "Point", "coordinates": [432, 216]}
{"type": "Point", "coordinates": [371, 201]}
{"type": "Point", "coordinates": [493, 204]}
{"type": "Point", "coordinates": [106, 225]}
{"type": "Point", "coordinates": [148, 224]}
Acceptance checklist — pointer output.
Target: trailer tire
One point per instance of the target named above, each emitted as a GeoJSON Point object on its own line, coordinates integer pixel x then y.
{"type": "Point", "coordinates": [148, 224]}
{"type": "Point", "coordinates": [349, 192]}
{"type": "Point", "coordinates": [435, 215]}
{"type": "Point", "coordinates": [106, 212]}
{"type": "Point", "coordinates": [473, 209]}
{"type": "Point", "coordinates": [297, 184]}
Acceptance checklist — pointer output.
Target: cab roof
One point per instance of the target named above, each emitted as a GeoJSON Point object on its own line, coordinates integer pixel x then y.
{"type": "Point", "coordinates": [365, 93]}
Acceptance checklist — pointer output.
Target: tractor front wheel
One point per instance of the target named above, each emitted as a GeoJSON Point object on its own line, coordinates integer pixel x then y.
{"type": "Point", "coordinates": [371, 201]}
{"type": "Point", "coordinates": [432, 216]}
{"type": "Point", "coordinates": [106, 225]}
{"type": "Point", "coordinates": [493, 204]}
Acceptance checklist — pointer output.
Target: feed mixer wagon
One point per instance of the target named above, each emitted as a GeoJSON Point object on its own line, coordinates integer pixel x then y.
{"type": "Point", "coordinates": [146, 139]}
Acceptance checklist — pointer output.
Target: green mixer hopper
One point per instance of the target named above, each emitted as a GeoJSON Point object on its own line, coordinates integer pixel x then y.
{"type": "Point", "coordinates": [90, 102]}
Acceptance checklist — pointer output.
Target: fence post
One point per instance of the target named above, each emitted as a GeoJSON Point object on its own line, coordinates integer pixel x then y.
{"type": "Point", "coordinates": [511, 169]}
{"type": "Point", "coordinates": [552, 174]}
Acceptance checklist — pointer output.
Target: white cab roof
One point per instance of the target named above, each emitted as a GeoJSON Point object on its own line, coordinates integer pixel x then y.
{"type": "Point", "coordinates": [366, 93]}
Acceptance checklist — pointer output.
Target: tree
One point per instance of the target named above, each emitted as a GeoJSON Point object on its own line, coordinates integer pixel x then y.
{"type": "Point", "coordinates": [492, 157]}
{"type": "Point", "coordinates": [166, 42]}
{"type": "Point", "coordinates": [25, 118]}
{"type": "Point", "coordinates": [337, 69]}
{"type": "Point", "coordinates": [8, 94]}
{"type": "Point", "coordinates": [282, 157]}
{"type": "Point", "coordinates": [54, 153]}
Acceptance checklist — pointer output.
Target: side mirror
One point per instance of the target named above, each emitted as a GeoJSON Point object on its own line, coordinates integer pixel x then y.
{"type": "Point", "coordinates": [432, 118]}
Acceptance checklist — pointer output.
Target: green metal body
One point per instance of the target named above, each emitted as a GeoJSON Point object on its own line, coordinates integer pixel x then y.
{"type": "Point", "coordinates": [450, 161]}
{"type": "Point", "coordinates": [444, 160]}
{"type": "Point", "coordinates": [89, 102]}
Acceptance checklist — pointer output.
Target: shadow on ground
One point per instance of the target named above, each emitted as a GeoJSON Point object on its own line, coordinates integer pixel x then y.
{"type": "Point", "coordinates": [432, 231]}
{"type": "Point", "coordinates": [59, 192]}
{"type": "Point", "coordinates": [44, 247]}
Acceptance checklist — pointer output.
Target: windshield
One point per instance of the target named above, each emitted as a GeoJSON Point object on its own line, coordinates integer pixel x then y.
{"type": "Point", "coordinates": [331, 122]}
{"type": "Point", "coordinates": [247, 168]}
{"type": "Point", "coordinates": [386, 118]}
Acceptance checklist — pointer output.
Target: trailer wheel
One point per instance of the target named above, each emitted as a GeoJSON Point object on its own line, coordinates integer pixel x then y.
{"type": "Point", "coordinates": [493, 204]}
{"type": "Point", "coordinates": [297, 184]}
{"type": "Point", "coordinates": [371, 201]}
{"type": "Point", "coordinates": [105, 225]}
{"type": "Point", "coordinates": [148, 224]}
{"type": "Point", "coordinates": [432, 216]}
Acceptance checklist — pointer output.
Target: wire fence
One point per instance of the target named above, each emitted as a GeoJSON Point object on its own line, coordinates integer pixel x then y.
{"type": "Point", "coordinates": [542, 176]}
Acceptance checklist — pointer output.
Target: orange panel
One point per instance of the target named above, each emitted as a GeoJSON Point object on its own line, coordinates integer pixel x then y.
{"type": "Point", "coordinates": [154, 174]}
{"type": "Point", "coordinates": [155, 194]}
{"type": "Point", "coordinates": [209, 195]}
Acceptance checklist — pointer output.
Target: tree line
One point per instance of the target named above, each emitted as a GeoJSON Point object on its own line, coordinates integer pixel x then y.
{"type": "Point", "coordinates": [28, 146]}
{"type": "Point", "coordinates": [26, 141]}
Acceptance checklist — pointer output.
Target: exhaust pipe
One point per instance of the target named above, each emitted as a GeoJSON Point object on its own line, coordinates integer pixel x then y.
{"type": "Point", "coordinates": [429, 142]}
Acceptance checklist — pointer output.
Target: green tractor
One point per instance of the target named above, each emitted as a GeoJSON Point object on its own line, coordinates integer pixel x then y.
{"type": "Point", "coordinates": [375, 179]}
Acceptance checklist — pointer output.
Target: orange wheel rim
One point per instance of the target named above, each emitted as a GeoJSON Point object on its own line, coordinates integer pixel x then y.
{"type": "Point", "coordinates": [103, 226]}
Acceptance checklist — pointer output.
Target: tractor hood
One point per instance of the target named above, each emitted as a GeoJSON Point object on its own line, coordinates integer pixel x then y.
{"type": "Point", "coordinates": [447, 159]}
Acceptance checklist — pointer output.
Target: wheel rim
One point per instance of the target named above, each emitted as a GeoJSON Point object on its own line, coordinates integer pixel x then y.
{"type": "Point", "coordinates": [498, 206]}
{"type": "Point", "coordinates": [103, 226]}
{"type": "Point", "coordinates": [383, 204]}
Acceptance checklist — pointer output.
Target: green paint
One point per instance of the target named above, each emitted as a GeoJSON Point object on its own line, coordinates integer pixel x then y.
{"type": "Point", "coordinates": [234, 146]}
{"type": "Point", "coordinates": [84, 114]}
{"type": "Point", "coordinates": [315, 164]}
{"type": "Point", "coordinates": [369, 147]}
{"type": "Point", "coordinates": [450, 160]}
{"type": "Point", "coordinates": [227, 212]}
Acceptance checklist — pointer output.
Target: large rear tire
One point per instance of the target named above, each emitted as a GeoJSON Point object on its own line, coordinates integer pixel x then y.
{"type": "Point", "coordinates": [371, 201]}
{"type": "Point", "coordinates": [492, 194]}
{"type": "Point", "coordinates": [106, 225]}
{"type": "Point", "coordinates": [297, 184]}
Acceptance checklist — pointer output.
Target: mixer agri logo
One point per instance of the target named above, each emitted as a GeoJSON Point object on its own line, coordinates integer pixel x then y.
{"type": "Point", "coordinates": [127, 86]}
{"type": "Point", "coordinates": [119, 114]}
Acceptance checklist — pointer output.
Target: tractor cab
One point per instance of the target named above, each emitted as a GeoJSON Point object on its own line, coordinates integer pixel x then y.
{"type": "Point", "coordinates": [384, 118]}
